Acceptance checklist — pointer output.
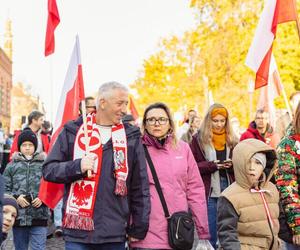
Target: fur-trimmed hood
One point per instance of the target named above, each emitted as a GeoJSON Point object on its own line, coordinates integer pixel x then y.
{"type": "Point", "coordinates": [18, 156]}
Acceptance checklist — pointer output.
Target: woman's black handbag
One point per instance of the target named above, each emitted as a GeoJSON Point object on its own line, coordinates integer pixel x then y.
{"type": "Point", "coordinates": [180, 224]}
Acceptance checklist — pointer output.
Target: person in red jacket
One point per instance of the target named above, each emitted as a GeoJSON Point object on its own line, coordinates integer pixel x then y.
{"type": "Point", "coordinates": [35, 121]}
{"type": "Point", "coordinates": [260, 129]}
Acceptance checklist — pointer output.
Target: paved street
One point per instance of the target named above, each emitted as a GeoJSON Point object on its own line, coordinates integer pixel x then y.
{"type": "Point", "coordinates": [52, 244]}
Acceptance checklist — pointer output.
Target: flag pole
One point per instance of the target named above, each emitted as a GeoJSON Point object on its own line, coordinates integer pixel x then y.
{"type": "Point", "coordinates": [297, 19]}
{"type": "Point", "coordinates": [86, 138]}
{"type": "Point", "coordinates": [287, 103]}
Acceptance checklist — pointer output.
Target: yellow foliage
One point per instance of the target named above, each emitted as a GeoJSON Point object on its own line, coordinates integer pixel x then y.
{"type": "Point", "coordinates": [212, 57]}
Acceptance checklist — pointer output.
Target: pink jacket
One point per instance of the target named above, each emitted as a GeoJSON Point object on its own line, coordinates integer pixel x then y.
{"type": "Point", "coordinates": [182, 187]}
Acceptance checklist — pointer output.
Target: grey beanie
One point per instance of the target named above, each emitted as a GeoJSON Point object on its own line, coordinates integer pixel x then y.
{"type": "Point", "coordinates": [261, 157]}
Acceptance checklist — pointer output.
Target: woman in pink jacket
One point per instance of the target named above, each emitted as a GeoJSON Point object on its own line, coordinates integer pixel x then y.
{"type": "Point", "coordinates": [178, 175]}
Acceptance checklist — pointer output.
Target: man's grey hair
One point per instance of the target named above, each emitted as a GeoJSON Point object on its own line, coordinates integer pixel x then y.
{"type": "Point", "coordinates": [106, 89]}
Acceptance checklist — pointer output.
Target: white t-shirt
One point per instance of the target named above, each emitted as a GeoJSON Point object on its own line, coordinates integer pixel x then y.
{"type": "Point", "coordinates": [105, 133]}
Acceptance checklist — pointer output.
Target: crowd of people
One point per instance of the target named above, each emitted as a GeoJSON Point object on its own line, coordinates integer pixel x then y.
{"type": "Point", "coordinates": [223, 188]}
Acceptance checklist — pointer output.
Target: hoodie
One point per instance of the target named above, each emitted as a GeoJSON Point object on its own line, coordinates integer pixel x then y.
{"type": "Point", "coordinates": [242, 219]}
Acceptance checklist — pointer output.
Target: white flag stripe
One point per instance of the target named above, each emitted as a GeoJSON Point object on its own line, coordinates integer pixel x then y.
{"type": "Point", "coordinates": [69, 82]}
{"type": "Point", "coordinates": [263, 37]}
{"type": "Point", "coordinates": [270, 92]}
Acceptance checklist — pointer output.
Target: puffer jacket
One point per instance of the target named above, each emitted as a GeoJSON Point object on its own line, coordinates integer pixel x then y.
{"type": "Point", "coordinates": [270, 137]}
{"type": "Point", "coordinates": [23, 176]}
{"type": "Point", "coordinates": [242, 219]}
{"type": "Point", "coordinates": [288, 177]}
{"type": "Point", "coordinates": [182, 187]}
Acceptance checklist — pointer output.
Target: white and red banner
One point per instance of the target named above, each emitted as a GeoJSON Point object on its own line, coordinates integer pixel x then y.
{"type": "Point", "coordinates": [53, 21]}
{"type": "Point", "coordinates": [270, 92]}
{"type": "Point", "coordinates": [68, 109]}
{"type": "Point", "coordinates": [259, 54]}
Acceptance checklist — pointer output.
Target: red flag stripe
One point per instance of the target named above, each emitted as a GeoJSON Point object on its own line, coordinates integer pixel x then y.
{"type": "Point", "coordinates": [53, 21]}
{"type": "Point", "coordinates": [133, 109]}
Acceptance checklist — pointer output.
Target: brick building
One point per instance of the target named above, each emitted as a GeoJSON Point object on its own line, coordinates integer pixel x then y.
{"type": "Point", "coordinates": [5, 89]}
{"type": "Point", "coordinates": [6, 78]}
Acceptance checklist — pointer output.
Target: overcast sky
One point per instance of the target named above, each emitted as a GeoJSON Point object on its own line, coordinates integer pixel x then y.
{"type": "Point", "coordinates": [115, 37]}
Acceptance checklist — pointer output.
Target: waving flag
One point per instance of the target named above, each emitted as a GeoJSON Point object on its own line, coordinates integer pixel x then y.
{"type": "Point", "coordinates": [133, 109]}
{"type": "Point", "coordinates": [53, 21]}
{"type": "Point", "coordinates": [68, 109]}
{"type": "Point", "coordinates": [270, 92]}
{"type": "Point", "coordinates": [259, 54]}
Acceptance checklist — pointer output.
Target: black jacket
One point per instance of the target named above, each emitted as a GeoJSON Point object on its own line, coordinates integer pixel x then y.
{"type": "Point", "coordinates": [111, 213]}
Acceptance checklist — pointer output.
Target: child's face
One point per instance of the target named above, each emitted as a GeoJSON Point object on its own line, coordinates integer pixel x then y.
{"type": "Point", "coordinates": [27, 148]}
{"type": "Point", "coordinates": [254, 172]}
{"type": "Point", "coordinates": [9, 217]}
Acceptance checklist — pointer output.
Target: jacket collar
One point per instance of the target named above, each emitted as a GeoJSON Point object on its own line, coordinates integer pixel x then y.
{"type": "Point", "coordinates": [150, 140]}
{"type": "Point", "coordinates": [36, 157]}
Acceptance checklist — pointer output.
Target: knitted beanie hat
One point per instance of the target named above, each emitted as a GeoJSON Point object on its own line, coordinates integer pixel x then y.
{"type": "Point", "coordinates": [27, 135]}
{"type": "Point", "coordinates": [10, 200]}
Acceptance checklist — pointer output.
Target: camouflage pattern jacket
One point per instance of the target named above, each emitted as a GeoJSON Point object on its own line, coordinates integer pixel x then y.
{"type": "Point", "coordinates": [23, 176]}
{"type": "Point", "coordinates": [287, 177]}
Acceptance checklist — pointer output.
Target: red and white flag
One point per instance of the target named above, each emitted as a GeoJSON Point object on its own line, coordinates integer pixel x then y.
{"type": "Point", "coordinates": [132, 108]}
{"type": "Point", "coordinates": [270, 92]}
{"type": "Point", "coordinates": [53, 21]}
{"type": "Point", "coordinates": [259, 54]}
{"type": "Point", "coordinates": [68, 109]}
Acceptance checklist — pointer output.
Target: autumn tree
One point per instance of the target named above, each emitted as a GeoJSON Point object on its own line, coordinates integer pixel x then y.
{"type": "Point", "coordinates": [212, 57]}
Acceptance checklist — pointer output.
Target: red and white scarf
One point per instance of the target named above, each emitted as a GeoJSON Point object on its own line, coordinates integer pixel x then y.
{"type": "Point", "coordinates": [82, 195]}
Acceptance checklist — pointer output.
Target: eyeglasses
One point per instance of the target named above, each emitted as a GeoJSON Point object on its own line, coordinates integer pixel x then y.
{"type": "Point", "coordinates": [161, 121]}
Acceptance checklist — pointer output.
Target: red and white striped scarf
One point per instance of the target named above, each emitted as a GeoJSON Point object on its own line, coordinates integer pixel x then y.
{"type": "Point", "coordinates": [82, 195]}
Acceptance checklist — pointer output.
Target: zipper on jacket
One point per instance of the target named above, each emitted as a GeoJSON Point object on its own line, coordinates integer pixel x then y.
{"type": "Point", "coordinates": [27, 187]}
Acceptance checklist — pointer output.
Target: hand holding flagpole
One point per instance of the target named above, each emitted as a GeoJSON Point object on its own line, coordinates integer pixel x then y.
{"type": "Point", "coordinates": [86, 138]}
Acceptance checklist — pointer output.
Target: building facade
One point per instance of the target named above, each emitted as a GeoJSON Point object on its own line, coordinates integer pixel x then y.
{"type": "Point", "coordinates": [5, 89]}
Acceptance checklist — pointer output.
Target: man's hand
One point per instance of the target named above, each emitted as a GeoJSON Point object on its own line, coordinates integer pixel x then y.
{"type": "Point", "coordinates": [87, 163]}
{"type": "Point", "coordinates": [36, 202]}
{"type": "Point", "coordinates": [296, 240]}
{"type": "Point", "coordinates": [22, 201]}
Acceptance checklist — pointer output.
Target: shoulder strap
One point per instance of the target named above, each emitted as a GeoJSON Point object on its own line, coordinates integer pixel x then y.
{"type": "Point", "coordinates": [157, 184]}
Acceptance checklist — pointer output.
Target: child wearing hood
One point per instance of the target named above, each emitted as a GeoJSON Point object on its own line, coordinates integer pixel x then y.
{"type": "Point", "coordinates": [248, 210]}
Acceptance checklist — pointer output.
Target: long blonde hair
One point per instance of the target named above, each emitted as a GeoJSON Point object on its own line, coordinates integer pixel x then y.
{"type": "Point", "coordinates": [160, 105]}
{"type": "Point", "coordinates": [205, 132]}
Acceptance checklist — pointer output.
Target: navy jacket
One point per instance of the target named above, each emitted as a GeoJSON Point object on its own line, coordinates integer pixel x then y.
{"type": "Point", "coordinates": [111, 213]}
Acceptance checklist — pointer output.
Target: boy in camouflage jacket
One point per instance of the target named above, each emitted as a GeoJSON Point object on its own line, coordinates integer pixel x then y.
{"type": "Point", "coordinates": [22, 180]}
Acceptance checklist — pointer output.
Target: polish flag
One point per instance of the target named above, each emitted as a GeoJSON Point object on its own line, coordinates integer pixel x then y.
{"type": "Point", "coordinates": [259, 54]}
{"type": "Point", "coordinates": [133, 109]}
{"type": "Point", "coordinates": [270, 92]}
{"type": "Point", "coordinates": [53, 21]}
{"type": "Point", "coordinates": [68, 109]}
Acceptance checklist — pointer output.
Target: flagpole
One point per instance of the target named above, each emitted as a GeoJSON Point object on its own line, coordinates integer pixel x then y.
{"type": "Point", "coordinates": [297, 19]}
{"type": "Point", "coordinates": [51, 89]}
{"type": "Point", "coordinates": [287, 103]}
{"type": "Point", "coordinates": [86, 138]}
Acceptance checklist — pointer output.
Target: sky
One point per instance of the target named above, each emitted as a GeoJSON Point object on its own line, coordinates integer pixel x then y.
{"type": "Point", "coordinates": [116, 36]}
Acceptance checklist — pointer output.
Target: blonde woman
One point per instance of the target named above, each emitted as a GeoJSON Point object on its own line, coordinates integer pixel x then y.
{"type": "Point", "coordinates": [212, 148]}
{"type": "Point", "coordinates": [178, 175]}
